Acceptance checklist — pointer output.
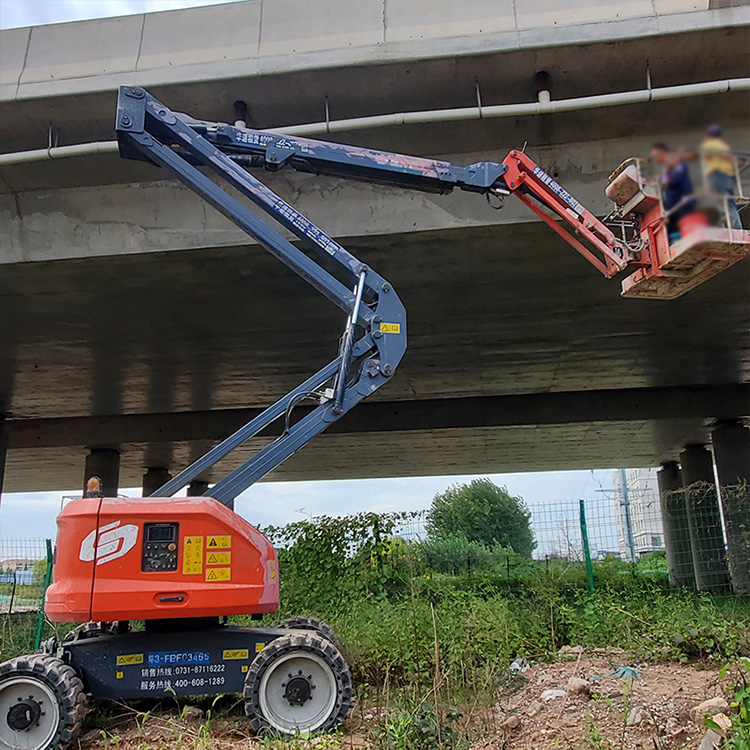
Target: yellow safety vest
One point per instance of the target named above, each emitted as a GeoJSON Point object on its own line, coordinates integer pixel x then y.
{"type": "Point", "coordinates": [717, 156]}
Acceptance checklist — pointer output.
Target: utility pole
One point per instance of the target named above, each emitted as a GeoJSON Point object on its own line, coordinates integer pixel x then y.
{"type": "Point", "coordinates": [625, 504]}
{"type": "Point", "coordinates": [623, 498]}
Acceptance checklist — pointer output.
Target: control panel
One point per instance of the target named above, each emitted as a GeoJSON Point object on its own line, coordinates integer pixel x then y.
{"type": "Point", "coordinates": [160, 547]}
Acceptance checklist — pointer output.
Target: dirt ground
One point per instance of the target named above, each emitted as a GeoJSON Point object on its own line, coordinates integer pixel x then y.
{"type": "Point", "coordinates": [649, 710]}
{"type": "Point", "coordinates": [622, 711]}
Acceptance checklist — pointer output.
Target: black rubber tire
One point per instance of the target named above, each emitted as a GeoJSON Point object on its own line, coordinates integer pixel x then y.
{"type": "Point", "coordinates": [90, 630]}
{"type": "Point", "coordinates": [310, 642]}
{"type": "Point", "coordinates": [316, 625]}
{"type": "Point", "coordinates": [66, 686]}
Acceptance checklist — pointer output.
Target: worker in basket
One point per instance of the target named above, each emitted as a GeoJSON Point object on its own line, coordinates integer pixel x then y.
{"type": "Point", "coordinates": [720, 169]}
{"type": "Point", "coordinates": [676, 187]}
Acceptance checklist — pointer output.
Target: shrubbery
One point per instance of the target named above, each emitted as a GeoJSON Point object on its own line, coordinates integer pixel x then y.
{"type": "Point", "coordinates": [390, 598]}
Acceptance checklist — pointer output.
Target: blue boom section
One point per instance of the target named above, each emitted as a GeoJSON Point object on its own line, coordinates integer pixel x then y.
{"type": "Point", "coordinates": [258, 148]}
{"type": "Point", "coordinates": [374, 338]}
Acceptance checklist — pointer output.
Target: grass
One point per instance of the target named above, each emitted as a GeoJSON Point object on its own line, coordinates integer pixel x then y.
{"type": "Point", "coordinates": [422, 641]}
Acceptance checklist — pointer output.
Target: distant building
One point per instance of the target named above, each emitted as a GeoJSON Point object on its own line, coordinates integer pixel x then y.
{"type": "Point", "coordinates": [17, 564]}
{"type": "Point", "coordinates": [639, 523]}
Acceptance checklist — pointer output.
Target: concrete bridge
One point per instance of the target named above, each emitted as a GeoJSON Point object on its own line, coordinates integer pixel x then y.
{"type": "Point", "coordinates": [137, 322]}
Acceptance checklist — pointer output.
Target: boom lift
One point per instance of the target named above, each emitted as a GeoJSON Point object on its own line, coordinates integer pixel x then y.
{"type": "Point", "coordinates": [182, 565]}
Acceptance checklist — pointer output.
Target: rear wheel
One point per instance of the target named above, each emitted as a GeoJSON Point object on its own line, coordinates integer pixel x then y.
{"type": "Point", "coordinates": [314, 624]}
{"type": "Point", "coordinates": [90, 630]}
{"type": "Point", "coordinates": [298, 684]}
{"type": "Point", "coordinates": [42, 703]}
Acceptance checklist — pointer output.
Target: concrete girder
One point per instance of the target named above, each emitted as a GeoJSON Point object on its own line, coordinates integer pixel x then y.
{"type": "Point", "coordinates": [447, 436]}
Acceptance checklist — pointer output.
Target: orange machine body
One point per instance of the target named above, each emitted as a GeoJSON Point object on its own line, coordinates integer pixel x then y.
{"type": "Point", "coordinates": [154, 558]}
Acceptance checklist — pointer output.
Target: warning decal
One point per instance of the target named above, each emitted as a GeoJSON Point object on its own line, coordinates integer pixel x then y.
{"type": "Point", "coordinates": [390, 328]}
{"type": "Point", "coordinates": [218, 542]}
{"type": "Point", "coordinates": [236, 653]}
{"type": "Point", "coordinates": [124, 659]}
{"type": "Point", "coordinates": [219, 558]}
{"type": "Point", "coordinates": [192, 555]}
{"type": "Point", "coordinates": [218, 574]}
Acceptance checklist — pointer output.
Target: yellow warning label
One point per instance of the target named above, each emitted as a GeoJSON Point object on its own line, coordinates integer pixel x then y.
{"type": "Point", "coordinates": [236, 653]}
{"type": "Point", "coordinates": [218, 574]}
{"type": "Point", "coordinates": [259, 647]}
{"type": "Point", "coordinates": [192, 555]}
{"type": "Point", "coordinates": [244, 667]}
{"type": "Point", "coordinates": [390, 327]}
{"type": "Point", "coordinates": [123, 659]}
{"type": "Point", "coordinates": [218, 542]}
{"type": "Point", "coordinates": [219, 558]}
{"type": "Point", "coordinates": [119, 675]}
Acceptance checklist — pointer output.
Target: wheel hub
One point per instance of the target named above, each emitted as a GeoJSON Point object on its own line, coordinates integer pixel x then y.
{"type": "Point", "coordinates": [23, 715]}
{"type": "Point", "coordinates": [299, 689]}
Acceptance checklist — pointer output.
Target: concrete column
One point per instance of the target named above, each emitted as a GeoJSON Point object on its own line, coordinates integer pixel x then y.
{"type": "Point", "coordinates": [3, 450]}
{"type": "Point", "coordinates": [731, 444]}
{"type": "Point", "coordinates": [704, 519]}
{"type": "Point", "coordinates": [676, 528]}
{"type": "Point", "coordinates": [198, 488]}
{"type": "Point", "coordinates": [155, 477]}
{"type": "Point", "coordinates": [105, 464]}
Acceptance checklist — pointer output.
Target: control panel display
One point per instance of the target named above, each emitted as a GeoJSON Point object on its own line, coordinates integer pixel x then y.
{"type": "Point", "coordinates": [160, 547]}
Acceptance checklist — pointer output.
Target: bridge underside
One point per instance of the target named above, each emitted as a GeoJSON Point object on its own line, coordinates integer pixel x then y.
{"type": "Point", "coordinates": [521, 357]}
{"type": "Point", "coordinates": [133, 316]}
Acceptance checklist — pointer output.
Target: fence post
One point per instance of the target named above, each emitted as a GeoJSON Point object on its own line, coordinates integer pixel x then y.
{"type": "Point", "coordinates": [585, 542]}
{"type": "Point", "coordinates": [12, 594]}
{"type": "Point", "coordinates": [47, 579]}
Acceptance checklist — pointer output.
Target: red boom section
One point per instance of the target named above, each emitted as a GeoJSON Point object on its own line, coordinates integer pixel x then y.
{"type": "Point", "coordinates": [538, 190]}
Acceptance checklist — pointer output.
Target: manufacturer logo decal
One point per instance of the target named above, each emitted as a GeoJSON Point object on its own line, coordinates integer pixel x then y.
{"type": "Point", "coordinates": [113, 541]}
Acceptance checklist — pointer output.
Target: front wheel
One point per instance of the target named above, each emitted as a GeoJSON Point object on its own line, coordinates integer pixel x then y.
{"type": "Point", "coordinates": [42, 703]}
{"type": "Point", "coordinates": [298, 684]}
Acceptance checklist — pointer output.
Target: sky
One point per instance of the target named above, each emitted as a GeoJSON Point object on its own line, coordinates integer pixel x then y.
{"type": "Point", "coordinates": [32, 515]}
{"type": "Point", "coordinates": [549, 496]}
{"type": "Point", "coordinates": [14, 13]}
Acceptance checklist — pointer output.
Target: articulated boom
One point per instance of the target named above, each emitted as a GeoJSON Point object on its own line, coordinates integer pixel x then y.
{"type": "Point", "coordinates": [374, 340]}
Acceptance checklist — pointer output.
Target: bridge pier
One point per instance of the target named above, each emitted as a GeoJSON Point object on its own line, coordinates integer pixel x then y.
{"type": "Point", "coordinates": [197, 488]}
{"type": "Point", "coordinates": [676, 527]}
{"type": "Point", "coordinates": [105, 464]}
{"type": "Point", "coordinates": [3, 452]}
{"type": "Point", "coordinates": [704, 519]}
{"type": "Point", "coordinates": [155, 477]}
{"type": "Point", "coordinates": [731, 444]}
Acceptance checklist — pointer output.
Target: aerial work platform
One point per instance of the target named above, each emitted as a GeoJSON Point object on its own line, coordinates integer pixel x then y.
{"type": "Point", "coordinates": [692, 260]}
{"type": "Point", "coordinates": [665, 270]}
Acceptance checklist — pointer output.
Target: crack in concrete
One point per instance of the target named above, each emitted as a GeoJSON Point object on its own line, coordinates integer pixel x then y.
{"type": "Point", "coordinates": [25, 59]}
{"type": "Point", "coordinates": [140, 47]}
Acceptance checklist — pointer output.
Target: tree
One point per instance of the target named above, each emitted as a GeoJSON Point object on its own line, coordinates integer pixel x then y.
{"type": "Point", "coordinates": [482, 512]}
{"type": "Point", "coordinates": [39, 571]}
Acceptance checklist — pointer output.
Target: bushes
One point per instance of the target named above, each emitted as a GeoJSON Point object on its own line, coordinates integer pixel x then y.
{"type": "Point", "coordinates": [456, 555]}
{"type": "Point", "coordinates": [490, 605]}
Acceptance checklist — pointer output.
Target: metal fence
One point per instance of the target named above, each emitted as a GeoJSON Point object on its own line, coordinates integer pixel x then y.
{"type": "Point", "coordinates": [698, 538]}
{"type": "Point", "coordinates": [23, 571]}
